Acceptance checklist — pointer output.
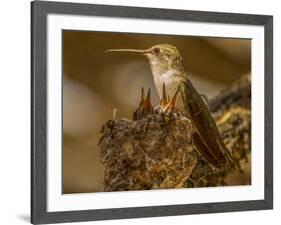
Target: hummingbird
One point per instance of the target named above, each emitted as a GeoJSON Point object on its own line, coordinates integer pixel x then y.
{"type": "Point", "coordinates": [170, 79]}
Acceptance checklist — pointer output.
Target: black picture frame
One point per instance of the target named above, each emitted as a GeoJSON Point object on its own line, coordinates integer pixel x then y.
{"type": "Point", "coordinates": [39, 12]}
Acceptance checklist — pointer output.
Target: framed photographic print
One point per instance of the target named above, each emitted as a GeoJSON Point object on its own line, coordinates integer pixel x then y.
{"type": "Point", "coordinates": [144, 112]}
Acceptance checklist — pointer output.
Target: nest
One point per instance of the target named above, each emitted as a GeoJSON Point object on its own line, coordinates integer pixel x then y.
{"type": "Point", "coordinates": [154, 150]}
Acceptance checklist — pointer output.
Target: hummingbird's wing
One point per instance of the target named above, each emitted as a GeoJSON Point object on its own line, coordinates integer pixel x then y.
{"type": "Point", "coordinates": [206, 138]}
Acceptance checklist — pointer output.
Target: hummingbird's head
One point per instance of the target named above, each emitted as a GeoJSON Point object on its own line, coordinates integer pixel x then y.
{"type": "Point", "coordinates": [162, 57]}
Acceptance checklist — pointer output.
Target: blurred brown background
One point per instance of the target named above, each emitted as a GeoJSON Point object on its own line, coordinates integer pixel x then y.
{"type": "Point", "coordinates": [94, 83]}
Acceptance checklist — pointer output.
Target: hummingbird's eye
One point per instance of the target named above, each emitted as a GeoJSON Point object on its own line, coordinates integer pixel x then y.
{"type": "Point", "coordinates": [156, 50]}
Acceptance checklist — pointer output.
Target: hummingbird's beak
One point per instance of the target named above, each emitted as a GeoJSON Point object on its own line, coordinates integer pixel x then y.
{"type": "Point", "coordinates": [130, 50]}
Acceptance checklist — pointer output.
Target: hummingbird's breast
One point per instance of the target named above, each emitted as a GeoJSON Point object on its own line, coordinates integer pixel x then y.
{"type": "Point", "coordinates": [171, 78]}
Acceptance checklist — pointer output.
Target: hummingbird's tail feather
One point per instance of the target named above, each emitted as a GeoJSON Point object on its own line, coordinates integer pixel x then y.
{"type": "Point", "coordinates": [207, 140]}
{"type": "Point", "coordinates": [227, 153]}
{"type": "Point", "coordinates": [204, 151]}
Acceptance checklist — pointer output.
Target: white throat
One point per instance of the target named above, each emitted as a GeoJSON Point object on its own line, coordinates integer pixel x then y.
{"type": "Point", "coordinates": [171, 80]}
{"type": "Point", "coordinates": [169, 76]}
